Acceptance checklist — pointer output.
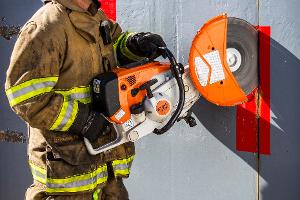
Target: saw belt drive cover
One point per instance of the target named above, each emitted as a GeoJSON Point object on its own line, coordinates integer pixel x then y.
{"type": "Point", "coordinates": [224, 60]}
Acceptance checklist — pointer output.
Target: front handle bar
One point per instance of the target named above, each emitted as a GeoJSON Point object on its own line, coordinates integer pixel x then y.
{"type": "Point", "coordinates": [177, 72]}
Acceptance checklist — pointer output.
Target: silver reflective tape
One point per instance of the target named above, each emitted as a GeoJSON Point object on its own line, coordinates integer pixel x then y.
{"type": "Point", "coordinates": [29, 89]}
{"type": "Point", "coordinates": [38, 174]}
{"type": "Point", "coordinates": [78, 183]}
{"type": "Point", "coordinates": [122, 166]}
{"type": "Point", "coordinates": [67, 115]}
{"type": "Point", "coordinates": [80, 95]}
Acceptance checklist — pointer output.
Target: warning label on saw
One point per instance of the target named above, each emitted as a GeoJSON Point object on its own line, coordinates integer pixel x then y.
{"type": "Point", "coordinates": [217, 73]}
{"type": "Point", "coordinates": [202, 71]}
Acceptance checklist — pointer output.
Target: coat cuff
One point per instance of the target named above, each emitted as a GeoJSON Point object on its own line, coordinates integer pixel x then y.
{"type": "Point", "coordinates": [82, 117]}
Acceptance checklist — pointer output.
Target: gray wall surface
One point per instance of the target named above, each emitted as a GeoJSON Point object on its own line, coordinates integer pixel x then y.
{"type": "Point", "coordinates": [280, 175]}
{"type": "Point", "coordinates": [201, 162]}
{"type": "Point", "coordinates": [15, 175]}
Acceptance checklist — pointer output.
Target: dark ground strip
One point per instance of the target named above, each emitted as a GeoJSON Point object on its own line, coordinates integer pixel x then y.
{"type": "Point", "coordinates": [8, 31]}
{"type": "Point", "coordinates": [12, 136]}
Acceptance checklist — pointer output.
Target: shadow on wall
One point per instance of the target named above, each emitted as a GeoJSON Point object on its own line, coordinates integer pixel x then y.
{"type": "Point", "coordinates": [280, 170]}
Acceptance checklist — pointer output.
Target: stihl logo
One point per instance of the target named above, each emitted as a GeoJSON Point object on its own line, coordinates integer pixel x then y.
{"type": "Point", "coordinates": [163, 107]}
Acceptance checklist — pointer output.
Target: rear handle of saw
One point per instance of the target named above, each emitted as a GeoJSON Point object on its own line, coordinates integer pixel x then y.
{"type": "Point", "coordinates": [107, 146]}
{"type": "Point", "coordinates": [177, 72]}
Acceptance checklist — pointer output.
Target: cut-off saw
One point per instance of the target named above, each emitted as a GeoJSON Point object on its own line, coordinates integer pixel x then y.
{"type": "Point", "coordinates": [150, 97]}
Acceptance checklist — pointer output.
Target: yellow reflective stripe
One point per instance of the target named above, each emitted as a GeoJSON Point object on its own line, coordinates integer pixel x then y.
{"type": "Point", "coordinates": [29, 95]}
{"type": "Point", "coordinates": [96, 194]}
{"type": "Point", "coordinates": [123, 172]}
{"type": "Point", "coordinates": [66, 115]}
{"type": "Point", "coordinates": [118, 41]}
{"type": "Point", "coordinates": [88, 181]}
{"type": "Point", "coordinates": [38, 173]}
{"type": "Point", "coordinates": [39, 169]}
{"type": "Point", "coordinates": [82, 94]}
{"type": "Point", "coordinates": [74, 90]}
{"type": "Point", "coordinates": [116, 44]}
{"type": "Point", "coordinates": [30, 89]}
{"type": "Point", "coordinates": [126, 52]}
{"type": "Point", "coordinates": [72, 118]}
{"type": "Point", "coordinates": [122, 167]}
{"type": "Point", "coordinates": [39, 179]}
{"type": "Point", "coordinates": [78, 189]}
{"type": "Point", "coordinates": [123, 47]}
{"type": "Point", "coordinates": [30, 82]}
{"type": "Point", "coordinates": [61, 115]}
{"type": "Point", "coordinates": [69, 109]}
{"type": "Point", "coordinates": [84, 182]}
{"type": "Point", "coordinates": [78, 178]}
{"type": "Point", "coordinates": [123, 161]}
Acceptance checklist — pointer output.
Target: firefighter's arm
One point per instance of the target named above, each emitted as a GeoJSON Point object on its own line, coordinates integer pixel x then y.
{"type": "Point", "coordinates": [33, 73]}
{"type": "Point", "coordinates": [119, 39]}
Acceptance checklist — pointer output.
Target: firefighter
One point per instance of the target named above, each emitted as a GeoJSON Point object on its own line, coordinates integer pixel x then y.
{"type": "Point", "coordinates": [59, 50]}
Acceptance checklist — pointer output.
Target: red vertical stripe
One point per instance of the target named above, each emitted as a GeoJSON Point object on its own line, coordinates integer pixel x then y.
{"type": "Point", "coordinates": [265, 112]}
{"type": "Point", "coordinates": [253, 117]}
{"type": "Point", "coordinates": [110, 8]}
{"type": "Point", "coordinates": [247, 125]}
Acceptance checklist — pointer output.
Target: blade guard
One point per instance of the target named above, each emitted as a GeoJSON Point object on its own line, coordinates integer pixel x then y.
{"type": "Point", "coordinates": [208, 67]}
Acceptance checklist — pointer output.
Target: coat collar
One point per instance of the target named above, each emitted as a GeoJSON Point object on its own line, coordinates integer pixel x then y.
{"type": "Point", "coordinates": [72, 6]}
{"type": "Point", "coordinates": [86, 24]}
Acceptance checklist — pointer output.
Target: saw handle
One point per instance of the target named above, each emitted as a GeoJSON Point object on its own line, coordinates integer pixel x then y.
{"type": "Point", "coordinates": [116, 142]}
{"type": "Point", "coordinates": [177, 72]}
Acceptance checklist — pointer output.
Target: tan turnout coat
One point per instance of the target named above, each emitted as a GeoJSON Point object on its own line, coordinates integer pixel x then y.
{"type": "Point", "coordinates": [58, 52]}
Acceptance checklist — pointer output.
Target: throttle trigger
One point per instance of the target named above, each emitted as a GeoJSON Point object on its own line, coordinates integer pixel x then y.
{"type": "Point", "coordinates": [147, 86]}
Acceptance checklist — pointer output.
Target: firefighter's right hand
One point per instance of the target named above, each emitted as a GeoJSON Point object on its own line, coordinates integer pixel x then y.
{"type": "Point", "coordinates": [95, 126]}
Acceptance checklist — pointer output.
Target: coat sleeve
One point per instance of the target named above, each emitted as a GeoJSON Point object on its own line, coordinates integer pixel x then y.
{"type": "Point", "coordinates": [124, 55]}
{"type": "Point", "coordinates": [34, 70]}
{"type": "Point", "coordinates": [116, 30]}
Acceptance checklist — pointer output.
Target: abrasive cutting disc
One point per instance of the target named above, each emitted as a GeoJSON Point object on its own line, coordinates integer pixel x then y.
{"type": "Point", "coordinates": [242, 53]}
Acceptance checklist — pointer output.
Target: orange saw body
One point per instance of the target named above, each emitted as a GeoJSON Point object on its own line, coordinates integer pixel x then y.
{"type": "Point", "coordinates": [130, 80]}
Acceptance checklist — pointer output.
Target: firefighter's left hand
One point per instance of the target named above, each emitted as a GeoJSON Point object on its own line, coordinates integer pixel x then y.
{"type": "Point", "coordinates": [146, 44]}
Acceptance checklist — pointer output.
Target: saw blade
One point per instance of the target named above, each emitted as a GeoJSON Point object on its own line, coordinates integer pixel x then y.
{"type": "Point", "coordinates": [242, 53]}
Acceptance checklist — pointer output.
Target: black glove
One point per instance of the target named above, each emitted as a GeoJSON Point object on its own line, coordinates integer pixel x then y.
{"type": "Point", "coordinates": [146, 44]}
{"type": "Point", "coordinates": [89, 123]}
{"type": "Point", "coordinates": [95, 126]}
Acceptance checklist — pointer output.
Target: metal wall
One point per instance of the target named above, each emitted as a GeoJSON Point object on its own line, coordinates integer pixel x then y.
{"type": "Point", "coordinates": [201, 162]}
{"type": "Point", "coordinates": [280, 174]}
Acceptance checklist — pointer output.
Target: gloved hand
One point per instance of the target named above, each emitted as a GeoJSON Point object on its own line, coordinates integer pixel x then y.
{"type": "Point", "coordinates": [146, 44]}
{"type": "Point", "coordinates": [95, 126]}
